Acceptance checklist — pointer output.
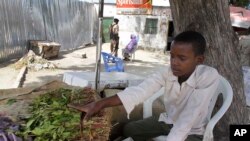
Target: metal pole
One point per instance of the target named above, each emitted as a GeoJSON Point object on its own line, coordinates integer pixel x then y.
{"type": "Point", "coordinates": [98, 61]}
{"type": "Point", "coordinates": [99, 48]}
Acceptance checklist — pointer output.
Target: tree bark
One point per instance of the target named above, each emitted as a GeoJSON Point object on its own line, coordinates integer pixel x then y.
{"type": "Point", "coordinates": [212, 19]}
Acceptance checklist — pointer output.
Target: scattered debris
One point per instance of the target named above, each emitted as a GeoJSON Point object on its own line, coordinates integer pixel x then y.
{"type": "Point", "coordinates": [84, 55]}
{"type": "Point", "coordinates": [45, 49]}
{"type": "Point", "coordinates": [34, 62]}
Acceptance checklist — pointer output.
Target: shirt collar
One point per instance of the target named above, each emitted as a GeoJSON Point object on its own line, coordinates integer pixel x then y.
{"type": "Point", "coordinates": [190, 81]}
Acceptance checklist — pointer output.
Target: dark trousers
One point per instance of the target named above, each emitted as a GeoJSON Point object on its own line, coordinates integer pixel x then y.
{"type": "Point", "coordinates": [114, 46]}
{"type": "Point", "coordinates": [143, 130]}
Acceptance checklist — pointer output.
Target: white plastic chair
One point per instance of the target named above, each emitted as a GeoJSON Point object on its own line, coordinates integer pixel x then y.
{"type": "Point", "coordinates": [132, 55]}
{"type": "Point", "coordinates": [224, 88]}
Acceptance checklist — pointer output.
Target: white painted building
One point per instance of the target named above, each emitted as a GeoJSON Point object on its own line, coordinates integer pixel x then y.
{"type": "Point", "coordinates": [151, 29]}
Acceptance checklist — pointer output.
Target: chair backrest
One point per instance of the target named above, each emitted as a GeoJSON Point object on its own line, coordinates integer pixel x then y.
{"type": "Point", "coordinates": [106, 58]}
{"type": "Point", "coordinates": [225, 89]}
{"type": "Point", "coordinates": [118, 63]}
{"type": "Point", "coordinates": [137, 39]}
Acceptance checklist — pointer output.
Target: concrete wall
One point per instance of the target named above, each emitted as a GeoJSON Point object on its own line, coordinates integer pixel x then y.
{"type": "Point", "coordinates": [135, 24]}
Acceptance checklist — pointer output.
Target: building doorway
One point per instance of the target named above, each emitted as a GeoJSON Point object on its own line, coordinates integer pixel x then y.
{"type": "Point", "coordinates": [107, 21]}
{"type": "Point", "coordinates": [170, 34]}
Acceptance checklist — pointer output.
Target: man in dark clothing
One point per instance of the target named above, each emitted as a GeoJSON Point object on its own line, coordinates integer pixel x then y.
{"type": "Point", "coordinates": [114, 37]}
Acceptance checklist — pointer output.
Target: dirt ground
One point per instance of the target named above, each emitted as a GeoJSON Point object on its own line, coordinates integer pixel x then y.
{"type": "Point", "coordinates": [145, 63]}
{"type": "Point", "coordinates": [7, 75]}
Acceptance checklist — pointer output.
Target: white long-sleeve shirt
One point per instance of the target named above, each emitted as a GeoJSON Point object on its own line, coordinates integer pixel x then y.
{"type": "Point", "coordinates": [186, 104]}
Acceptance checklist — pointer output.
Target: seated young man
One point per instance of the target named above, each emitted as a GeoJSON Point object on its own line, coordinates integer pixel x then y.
{"type": "Point", "coordinates": [189, 86]}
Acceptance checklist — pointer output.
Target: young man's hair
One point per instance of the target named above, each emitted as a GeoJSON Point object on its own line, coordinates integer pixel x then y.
{"type": "Point", "coordinates": [116, 20]}
{"type": "Point", "coordinates": [195, 38]}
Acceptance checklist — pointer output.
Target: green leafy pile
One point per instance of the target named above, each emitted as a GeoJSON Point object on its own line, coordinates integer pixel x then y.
{"type": "Point", "coordinates": [52, 120]}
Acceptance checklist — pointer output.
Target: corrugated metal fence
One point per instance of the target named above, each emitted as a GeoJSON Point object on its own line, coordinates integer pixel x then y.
{"type": "Point", "coordinates": [71, 23]}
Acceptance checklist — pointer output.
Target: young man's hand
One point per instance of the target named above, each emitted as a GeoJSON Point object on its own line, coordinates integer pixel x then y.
{"type": "Point", "coordinates": [89, 109]}
{"type": "Point", "coordinates": [94, 107]}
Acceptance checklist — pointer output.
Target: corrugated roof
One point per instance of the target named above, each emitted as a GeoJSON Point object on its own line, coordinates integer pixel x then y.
{"type": "Point", "coordinates": [240, 17]}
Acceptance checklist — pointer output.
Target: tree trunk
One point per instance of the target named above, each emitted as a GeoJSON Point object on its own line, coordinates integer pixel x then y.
{"type": "Point", "coordinates": [212, 19]}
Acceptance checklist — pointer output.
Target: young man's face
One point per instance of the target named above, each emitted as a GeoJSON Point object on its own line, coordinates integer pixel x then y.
{"type": "Point", "coordinates": [183, 59]}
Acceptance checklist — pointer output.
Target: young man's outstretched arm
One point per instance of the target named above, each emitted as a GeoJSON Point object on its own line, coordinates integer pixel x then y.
{"type": "Point", "coordinates": [94, 107]}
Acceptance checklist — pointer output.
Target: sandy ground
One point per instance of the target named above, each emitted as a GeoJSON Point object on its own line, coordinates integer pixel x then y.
{"type": "Point", "coordinates": [145, 63]}
{"type": "Point", "coordinates": [7, 75]}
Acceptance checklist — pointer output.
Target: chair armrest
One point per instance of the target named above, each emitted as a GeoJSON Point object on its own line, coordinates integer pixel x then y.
{"type": "Point", "coordinates": [148, 104]}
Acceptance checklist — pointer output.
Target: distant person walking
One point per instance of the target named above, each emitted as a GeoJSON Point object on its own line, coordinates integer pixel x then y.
{"type": "Point", "coordinates": [114, 37]}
